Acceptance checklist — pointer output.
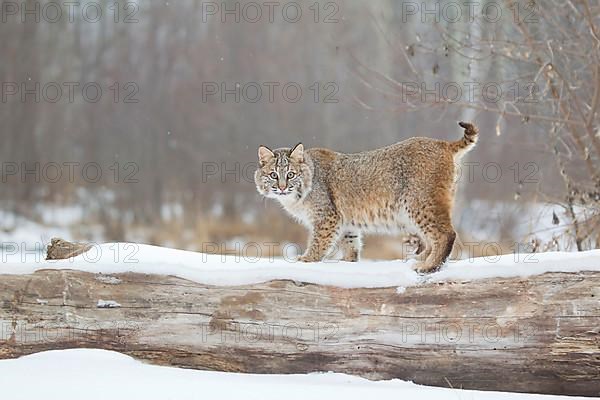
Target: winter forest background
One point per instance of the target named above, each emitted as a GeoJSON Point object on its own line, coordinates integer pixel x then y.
{"type": "Point", "coordinates": [142, 123]}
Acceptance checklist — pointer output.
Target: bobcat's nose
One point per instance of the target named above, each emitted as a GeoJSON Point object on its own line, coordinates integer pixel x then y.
{"type": "Point", "coordinates": [282, 187]}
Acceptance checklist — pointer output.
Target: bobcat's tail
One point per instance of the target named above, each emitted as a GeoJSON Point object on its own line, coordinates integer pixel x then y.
{"type": "Point", "coordinates": [468, 141]}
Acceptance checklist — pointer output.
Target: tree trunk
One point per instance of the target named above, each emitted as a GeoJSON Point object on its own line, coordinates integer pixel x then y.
{"type": "Point", "coordinates": [536, 334]}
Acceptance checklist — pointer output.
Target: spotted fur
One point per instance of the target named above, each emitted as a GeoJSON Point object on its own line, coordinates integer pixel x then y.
{"type": "Point", "coordinates": [408, 186]}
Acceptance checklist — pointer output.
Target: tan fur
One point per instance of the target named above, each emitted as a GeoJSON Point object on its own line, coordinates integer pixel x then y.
{"type": "Point", "coordinates": [408, 186]}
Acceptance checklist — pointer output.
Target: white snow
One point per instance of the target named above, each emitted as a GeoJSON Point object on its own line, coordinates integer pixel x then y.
{"type": "Point", "coordinates": [233, 270]}
{"type": "Point", "coordinates": [493, 221]}
{"type": "Point", "coordinates": [107, 304]}
{"type": "Point", "coordinates": [18, 234]}
{"type": "Point", "coordinates": [109, 280]}
{"type": "Point", "coordinates": [519, 265]}
{"type": "Point", "coordinates": [98, 374]}
{"type": "Point", "coordinates": [61, 216]}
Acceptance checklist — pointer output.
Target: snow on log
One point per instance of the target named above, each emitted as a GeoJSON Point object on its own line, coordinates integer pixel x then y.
{"type": "Point", "coordinates": [537, 333]}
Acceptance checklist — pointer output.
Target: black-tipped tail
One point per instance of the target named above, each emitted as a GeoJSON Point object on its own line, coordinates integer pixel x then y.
{"type": "Point", "coordinates": [469, 139]}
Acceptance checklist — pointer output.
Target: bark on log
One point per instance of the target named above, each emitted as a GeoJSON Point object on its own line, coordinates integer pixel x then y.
{"type": "Point", "coordinates": [537, 334]}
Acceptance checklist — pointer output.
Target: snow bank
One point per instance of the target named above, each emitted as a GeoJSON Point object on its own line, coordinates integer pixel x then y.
{"type": "Point", "coordinates": [98, 374]}
{"type": "Point", "coordinates": [234, 270]}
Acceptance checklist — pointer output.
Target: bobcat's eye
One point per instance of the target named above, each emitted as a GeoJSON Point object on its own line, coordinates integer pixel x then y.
{"type": "Point", "coordinates": [273, 175]}
{"type": "Point", "coordinates": [291, 175]}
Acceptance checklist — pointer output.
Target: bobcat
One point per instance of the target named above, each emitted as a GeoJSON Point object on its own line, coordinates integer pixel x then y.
{"type": "Point", "coordinates": [406, 186]}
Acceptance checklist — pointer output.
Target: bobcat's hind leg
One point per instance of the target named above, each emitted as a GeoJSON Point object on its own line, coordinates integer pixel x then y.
{"type": "Point", "coordinates": [439, 236]}
{"type": "Point", "coordinates": [417, 247]}
{"type": "Point", "coordinates": [442, 242]}
{"type": "Point", "coordinates": [350, 244]}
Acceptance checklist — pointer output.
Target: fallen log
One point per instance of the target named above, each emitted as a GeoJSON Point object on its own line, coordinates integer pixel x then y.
{"type": "Point", "coordinates": [538, 334]}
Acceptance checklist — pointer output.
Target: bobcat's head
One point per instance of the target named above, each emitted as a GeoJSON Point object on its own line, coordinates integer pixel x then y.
{"type": "Point", "coordinates": [283, 174]}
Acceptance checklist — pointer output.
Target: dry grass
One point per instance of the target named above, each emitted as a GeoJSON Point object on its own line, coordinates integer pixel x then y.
{"type": "Point", "coordinates": [277, 234]}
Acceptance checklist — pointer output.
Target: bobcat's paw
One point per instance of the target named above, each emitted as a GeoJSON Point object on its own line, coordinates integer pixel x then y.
{"type": "Point", "coordinates": [307, 259]}
{"type": "Point", "coordinates": [424, 268]}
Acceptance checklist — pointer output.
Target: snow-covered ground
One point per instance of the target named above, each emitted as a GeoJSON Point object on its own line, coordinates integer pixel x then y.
{"type": "Point", "coordinates": [233, 270]}
{"type": "Point", "coordinates": [520, 222]}
{"type": "Point", "coordinates": [98, 374]}
{"type": "Point", "coordinates": [18, 232]}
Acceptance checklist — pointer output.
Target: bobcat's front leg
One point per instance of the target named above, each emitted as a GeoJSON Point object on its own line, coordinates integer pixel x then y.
{"type": "Point", "coordinates": [325, 234]}
{"type": "Point", "coordinates": [350, 243]}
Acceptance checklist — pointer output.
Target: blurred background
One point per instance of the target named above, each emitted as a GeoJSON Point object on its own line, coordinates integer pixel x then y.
{"type": "Point", "coordinates": [139, 121]}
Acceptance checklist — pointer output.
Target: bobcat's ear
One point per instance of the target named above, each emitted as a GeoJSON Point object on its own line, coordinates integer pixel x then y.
{"type": "Point", "coordinates": [297, 153]}
{"type": "Point", "coordinates": [264, 154]}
